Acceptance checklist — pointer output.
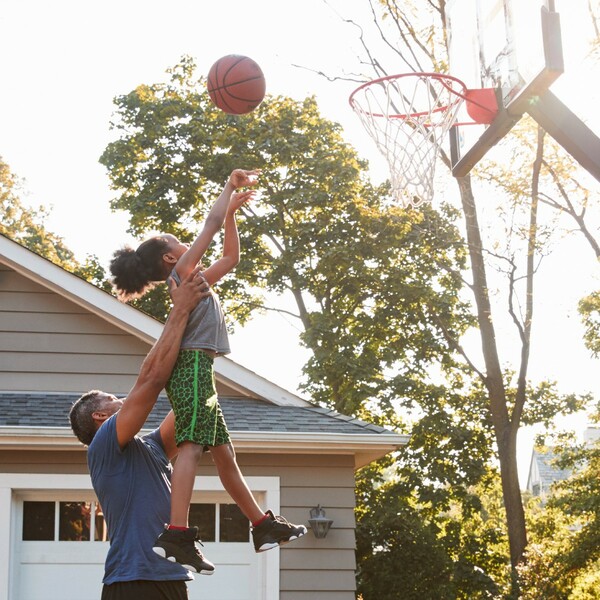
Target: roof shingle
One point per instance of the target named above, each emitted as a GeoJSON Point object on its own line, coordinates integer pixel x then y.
{"type": "Point", "coordinates": [242, 414]}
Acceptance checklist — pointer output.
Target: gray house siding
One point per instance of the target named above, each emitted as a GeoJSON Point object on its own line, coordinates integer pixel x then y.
{"type": "Point", "coordinates": [50, 344]}
{"type": "Point", "coordinates": [314, 568]}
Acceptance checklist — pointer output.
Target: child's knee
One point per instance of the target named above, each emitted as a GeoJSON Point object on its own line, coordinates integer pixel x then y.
{"type": "Point", "coordinates": [191, 450]}
{"type": "Point", "coordinates": [224, 454]}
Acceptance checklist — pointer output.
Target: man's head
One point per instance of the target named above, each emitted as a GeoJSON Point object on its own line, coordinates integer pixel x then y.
{"type": "Point", "coordinates": [90, 411]}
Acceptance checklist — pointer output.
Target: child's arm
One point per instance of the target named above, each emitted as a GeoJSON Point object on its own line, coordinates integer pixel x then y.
{"type": "Point", "coordinates": [231, 241]}
{"type": "Point", "coordinates": [214, 221]}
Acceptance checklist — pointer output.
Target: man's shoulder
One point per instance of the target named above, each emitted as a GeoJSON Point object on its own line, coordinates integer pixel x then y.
{"type": "Point", "coordinates": [107, 434]}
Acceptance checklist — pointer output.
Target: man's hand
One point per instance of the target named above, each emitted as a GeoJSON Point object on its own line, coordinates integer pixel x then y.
{"type": "Point", "coordinates": [192, 289]}
{"type": "Point", "coordinates": [241, 178]}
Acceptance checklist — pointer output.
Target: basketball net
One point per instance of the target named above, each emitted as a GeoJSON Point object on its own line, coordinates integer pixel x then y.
{"type": "Point", "coordinates": [408, 117]}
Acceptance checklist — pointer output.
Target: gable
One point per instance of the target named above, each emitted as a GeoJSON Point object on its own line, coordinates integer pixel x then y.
{"type": "Point", "coordinates": [43, 299]}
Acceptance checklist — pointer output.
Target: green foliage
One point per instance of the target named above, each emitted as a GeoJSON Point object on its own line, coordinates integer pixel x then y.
{"type": "Point", "coordinates": [545, 402]}
{"type": "Point", "coordinates": [450, 445]}
{"type": "Point", "coordinates": [579, 499]}
{"type": "Point", "coordinates": [563, 556]}
{"type": "Point", "coordinates": [397, 550]}
{"type": "Point", "coordinates": [589, 309]}
{"type": "Point", "coordinates": [26, 226]}
{"type": "Point", "coordinates": [408, 550]}
{"type": "Point", "coordinates": [375, 287]}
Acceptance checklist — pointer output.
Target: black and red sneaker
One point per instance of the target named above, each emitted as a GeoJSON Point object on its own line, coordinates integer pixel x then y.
{"type": "Point", "coordinates": [180, 546]}
{"type": "Point", "coordinates": [275, 531]}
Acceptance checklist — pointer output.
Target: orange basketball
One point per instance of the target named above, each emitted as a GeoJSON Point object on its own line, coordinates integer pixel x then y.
{"type": "Point", "coordinates": [236, 84]}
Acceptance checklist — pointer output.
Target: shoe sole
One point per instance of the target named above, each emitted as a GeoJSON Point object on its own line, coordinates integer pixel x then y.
{"type": "Point", "coordinates": [163, 554]}
{"type": "Point", "coordinates": [271, 545]}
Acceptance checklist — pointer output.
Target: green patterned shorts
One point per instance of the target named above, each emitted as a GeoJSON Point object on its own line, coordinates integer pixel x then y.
{"type": "Point", "coordinates": [193, 396]}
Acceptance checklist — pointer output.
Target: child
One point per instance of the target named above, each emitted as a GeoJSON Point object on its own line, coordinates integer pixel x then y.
{"type": "Point", "coordinates": [199, 422]}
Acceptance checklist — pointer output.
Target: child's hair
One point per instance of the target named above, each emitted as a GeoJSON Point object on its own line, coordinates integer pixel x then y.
{"type": "Point", "coordinates": [134, 272]}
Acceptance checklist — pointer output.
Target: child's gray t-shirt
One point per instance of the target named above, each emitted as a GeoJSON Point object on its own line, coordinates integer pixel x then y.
{"type": "Point", "coordinates": [205, 329]}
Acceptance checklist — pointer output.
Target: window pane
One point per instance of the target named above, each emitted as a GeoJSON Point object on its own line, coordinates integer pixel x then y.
{"type": "Point", "coordinates": [233, 525]}
{"type": "Point", "coordinates": [74, 521]}
{"type": "Point", "coordinates": [203, 517]}
{"type": "Point", "coordinates": [38, 521]}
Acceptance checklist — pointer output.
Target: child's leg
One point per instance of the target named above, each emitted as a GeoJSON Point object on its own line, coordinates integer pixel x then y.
{"type": "Point", "coordinates": [268, 531]}
{"type": "Point", "coordinates": [182, 482]}
{"type": "Point", "coordinates": [234, 483]}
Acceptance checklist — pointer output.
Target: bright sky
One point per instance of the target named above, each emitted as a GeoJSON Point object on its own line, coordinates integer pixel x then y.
{"type": "Point", "coordinates": [63, 62]}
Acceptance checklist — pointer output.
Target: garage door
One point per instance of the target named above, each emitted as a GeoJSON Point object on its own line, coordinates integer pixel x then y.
{"type": "Point", "coordinates": [61, 545]}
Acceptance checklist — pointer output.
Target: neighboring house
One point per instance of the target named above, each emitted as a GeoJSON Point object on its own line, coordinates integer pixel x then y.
{"type": "Point", "coordinates": [591, 434]}
{"type": "Point", "coordinates": [61, 336]}
{"type": "Point", "coordinates": [543, 473]}
{"type": "Point", "coordinates": [542, 470]}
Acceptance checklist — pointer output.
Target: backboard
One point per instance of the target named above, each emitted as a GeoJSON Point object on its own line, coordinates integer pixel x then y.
{"type": "Point", "coordinates": [513, 46]}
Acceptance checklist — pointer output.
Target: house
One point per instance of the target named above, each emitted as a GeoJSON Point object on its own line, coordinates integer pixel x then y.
{"type": "Point", "coordinates": [61, 336]}
{"type": "Point", "coordinates": [591, 435]}
{"type": "Point", "coordinates": [543, 472]}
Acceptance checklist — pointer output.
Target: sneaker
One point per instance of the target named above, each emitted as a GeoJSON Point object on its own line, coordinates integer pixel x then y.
{"type": "Point", "coordinates": [179, 546]}
{"type": "Point", "coordinates": [275, 531]}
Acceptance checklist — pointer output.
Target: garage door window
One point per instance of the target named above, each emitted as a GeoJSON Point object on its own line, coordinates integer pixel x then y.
{"type": "Point", "coordinates": [220, 522]}
{"type": "Point", "coordinates": [63, 521]}
{"type": "Point", "coordinates": [72, 522]}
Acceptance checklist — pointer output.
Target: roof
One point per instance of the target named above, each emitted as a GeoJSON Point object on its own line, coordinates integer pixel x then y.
{"type": "Point", "coordinates": [40, 420]}
{"type": "Point", "coordinates": [242, 414]}
{"type": "Point", "coordinates": [548, 472]}
{"type": "Point", "coordinates": [542, 470]}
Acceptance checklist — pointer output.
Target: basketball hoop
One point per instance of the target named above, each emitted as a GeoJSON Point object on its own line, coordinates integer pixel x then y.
{"type": "Point", "coordinates": [408, 116]}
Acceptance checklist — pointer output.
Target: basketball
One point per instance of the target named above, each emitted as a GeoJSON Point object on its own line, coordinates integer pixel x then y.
{"type": "Point", "coordinates": [236, 84]}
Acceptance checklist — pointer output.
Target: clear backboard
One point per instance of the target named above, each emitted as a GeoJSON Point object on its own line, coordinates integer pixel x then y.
{"type": "Point", "coordinates": [516, 48]}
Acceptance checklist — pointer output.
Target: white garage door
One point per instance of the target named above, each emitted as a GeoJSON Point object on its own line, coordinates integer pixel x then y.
{"type": "Point", "coordinates": [60, 546]}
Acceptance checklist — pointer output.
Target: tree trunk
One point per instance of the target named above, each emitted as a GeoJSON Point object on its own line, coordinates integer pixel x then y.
{"type": "Point", "coordinates": [505, 431]}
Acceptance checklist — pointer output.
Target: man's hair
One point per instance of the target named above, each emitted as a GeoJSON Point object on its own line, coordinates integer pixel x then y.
{"type": "Point", "coordinates": [80, 415]}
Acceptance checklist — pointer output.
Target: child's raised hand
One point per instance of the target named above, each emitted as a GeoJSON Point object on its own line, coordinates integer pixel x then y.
{"type": "Point", "coordinates": [238, 199]}
{"type": "Point", "coordinates": [241, 178]}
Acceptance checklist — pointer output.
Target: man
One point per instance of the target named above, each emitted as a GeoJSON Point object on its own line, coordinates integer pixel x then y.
{"type": "Point", "coordinates": [131, 474]}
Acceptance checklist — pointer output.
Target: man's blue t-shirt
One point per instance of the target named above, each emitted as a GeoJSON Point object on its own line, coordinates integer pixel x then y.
{"type": "Point", "coordinates": [133, 486]}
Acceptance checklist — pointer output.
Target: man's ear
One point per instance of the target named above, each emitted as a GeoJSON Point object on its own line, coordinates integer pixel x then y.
{"type": "Point", "coordinates": [100, 416]}
{"type": "Point", "coordinates": [169, 258]}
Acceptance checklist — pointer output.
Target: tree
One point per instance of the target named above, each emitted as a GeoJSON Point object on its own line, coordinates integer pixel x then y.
{"type": "Point", "coordinates": [589, 308]}
{"type": "Point", "coordinates": [26, 226]}
{"type": "Point", "coordinates": [377, 288]}
{"type": "Point", "coordinates": [366, 279]}
{"type": "Point", "coordinates": [408, 548]}
{"type": "Point", "coordinates": [564, 557]}
{"type": "Point", "coordinates": [416, 39]}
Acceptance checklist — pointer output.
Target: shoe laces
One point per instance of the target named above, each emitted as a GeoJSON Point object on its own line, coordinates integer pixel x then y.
{"type": "Point", "coordinates": [281, 519]}
{"type": "Point", "coordinates": [197, 540]}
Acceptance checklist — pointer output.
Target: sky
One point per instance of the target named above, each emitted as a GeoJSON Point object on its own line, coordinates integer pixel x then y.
{"type": "Point", "coordinates": [63, 61]}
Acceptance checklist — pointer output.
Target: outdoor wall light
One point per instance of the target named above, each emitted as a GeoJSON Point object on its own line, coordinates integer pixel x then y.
{"type": "Point", "coordinates": [319, 523]}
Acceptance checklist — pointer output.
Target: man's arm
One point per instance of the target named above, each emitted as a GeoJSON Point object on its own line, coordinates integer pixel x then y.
{"type": "Point", "coordinates": [159, 362]}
